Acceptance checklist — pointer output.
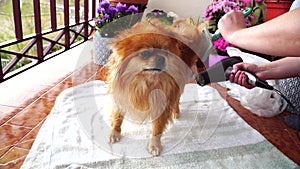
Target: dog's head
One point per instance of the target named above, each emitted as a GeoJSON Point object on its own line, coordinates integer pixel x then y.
{"type": "Point", "coordinates": [154, 48]}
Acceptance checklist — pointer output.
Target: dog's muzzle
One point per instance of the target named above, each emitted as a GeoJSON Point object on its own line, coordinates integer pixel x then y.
{"type": "Point", "coordinates": [159, 63]}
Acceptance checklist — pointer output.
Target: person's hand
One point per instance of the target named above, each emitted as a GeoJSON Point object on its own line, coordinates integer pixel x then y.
{"type": "Point", "coordinates": [230, 23]}
{"type": "Point", "coordinates": [239, 77]}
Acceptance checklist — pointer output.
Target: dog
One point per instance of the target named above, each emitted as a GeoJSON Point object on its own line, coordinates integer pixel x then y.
{"type": "Point", "coordinates": [146, 74]}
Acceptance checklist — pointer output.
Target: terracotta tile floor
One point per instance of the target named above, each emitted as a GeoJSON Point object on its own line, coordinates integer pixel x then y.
{"type": "Point", "coordinates": [19, 125]}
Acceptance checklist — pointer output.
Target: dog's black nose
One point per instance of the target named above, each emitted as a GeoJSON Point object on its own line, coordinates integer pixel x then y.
{"type": "Point", "coordinates": [160, 62]}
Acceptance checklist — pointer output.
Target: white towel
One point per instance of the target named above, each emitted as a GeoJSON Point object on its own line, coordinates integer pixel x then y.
{"type": "Point", "coordinates": [75, 134]}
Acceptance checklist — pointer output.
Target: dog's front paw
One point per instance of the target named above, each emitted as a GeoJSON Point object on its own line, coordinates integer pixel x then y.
{"type": "Point", "coordinates": [155, 147]}
{"type": "Point", "coordinates": [114, 136]}
{"type": "Point", "coordinates": [176, 115]}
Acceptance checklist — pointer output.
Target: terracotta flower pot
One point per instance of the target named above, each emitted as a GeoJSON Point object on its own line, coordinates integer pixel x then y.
{"type": "Point", "coordinates": [277, 7]}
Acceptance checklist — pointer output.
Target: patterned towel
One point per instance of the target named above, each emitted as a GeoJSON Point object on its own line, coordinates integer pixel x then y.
{"type": "Point", "coordinates": [208, 134]}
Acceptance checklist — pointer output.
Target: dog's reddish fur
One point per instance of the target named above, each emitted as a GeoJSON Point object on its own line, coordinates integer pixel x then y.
{"type": "Point", "coordinates": [139, 94]}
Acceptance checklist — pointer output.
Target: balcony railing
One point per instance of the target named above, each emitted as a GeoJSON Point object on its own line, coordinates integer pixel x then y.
{"type": "Point", "coordinates": [73, 32]}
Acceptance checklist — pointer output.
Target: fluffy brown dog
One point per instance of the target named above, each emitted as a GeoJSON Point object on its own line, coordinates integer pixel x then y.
{"type": "Point", "coordinates": [147, 71]}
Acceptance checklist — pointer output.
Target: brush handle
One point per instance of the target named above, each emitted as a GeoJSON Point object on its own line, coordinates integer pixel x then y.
{"type": "Point", "coordinates": [252, 79]}
{"type": "Point", "coordinates": [255, 81]}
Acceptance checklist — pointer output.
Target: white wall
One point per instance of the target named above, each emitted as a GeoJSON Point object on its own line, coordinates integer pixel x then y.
{"type": "Point", "coordinates": [183, 8]}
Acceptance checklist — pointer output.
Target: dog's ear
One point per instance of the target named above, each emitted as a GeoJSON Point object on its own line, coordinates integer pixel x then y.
{"type": "Point", "coordinates": [187, 54]}
{"type": "Point", "coordinates": [190, 35]}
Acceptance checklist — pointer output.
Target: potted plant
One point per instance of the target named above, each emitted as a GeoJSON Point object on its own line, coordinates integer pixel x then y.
{"type": "Point", "coordinates": [109, 22]}
{"type": "Point", "coordinates": [213, 14]}
{"type": "Point", "coordinates": [164, 17]}
{"type": "Point", "coordinates": [218, 8]}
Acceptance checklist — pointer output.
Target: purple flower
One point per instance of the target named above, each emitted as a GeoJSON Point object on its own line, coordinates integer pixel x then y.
{"type": "Point", "coordinates": [226, 10]}
{"type": "Point", "coordinates": [105, 17]}
{"type": "Point", "coordinates": [111, 11]}
{"type": "Point", "coordinates": [100, 10]}
{"type": "Point", "coordinates": [121, 7]}
{"type": "Point", "coordinates": [221, 44]}
{"type": "Point", "coordinates": [132, 9]}
{"type": "Point", "coordinates": [247, 1]}
{"type": "Point", "coordinates": [158, 13]}
{"type": "Point", "coordinates": [218, 8]}
{"type": "Point", "coordinates": [108, 13]}
{"type": "Point", "coordinates": [104, 4]}
{"type": "Point", "coordinates": [98, 21]}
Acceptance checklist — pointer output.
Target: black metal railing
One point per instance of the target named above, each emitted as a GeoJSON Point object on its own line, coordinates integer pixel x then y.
{"type": "Point", "coordinates": [70, 34]}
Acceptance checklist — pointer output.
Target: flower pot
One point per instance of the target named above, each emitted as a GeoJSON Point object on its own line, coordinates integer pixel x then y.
{"type": "Point", "coordinates": [101, 49]}
{"type": "Point", "coordinates": [277, 7]}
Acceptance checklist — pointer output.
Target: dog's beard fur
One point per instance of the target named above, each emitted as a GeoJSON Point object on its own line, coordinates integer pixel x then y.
{"type": "Point", "coordinates": [141, 94]}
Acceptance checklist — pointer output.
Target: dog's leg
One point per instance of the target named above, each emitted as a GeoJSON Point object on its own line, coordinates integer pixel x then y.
{"type": "Point", "coordinates": [116, 122]}
{"type": "Point", "coordinates": [176, 113]}
{"type": "Point", "coordinates": [158, 127]}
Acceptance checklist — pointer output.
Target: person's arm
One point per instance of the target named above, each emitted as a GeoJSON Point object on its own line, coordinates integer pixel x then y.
{"type": "Point", "coordinates": [279, 69]}
{"type": "Point", "coordinates": [278, 37]}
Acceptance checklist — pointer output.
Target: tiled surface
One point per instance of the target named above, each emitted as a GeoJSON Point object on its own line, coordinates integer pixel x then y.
{"type": "Point", "coordinates": [27, 102]}
{"type": "Point", "coordinates": [33, 114]}
{"type": "Point", "coordinates": [19, 128]}
{"type": "Point", "coordinates": [7, 112]}
{"type": "Point", "coordinates": [19, 125]}
{"type": "Point", "coordinates": [23, 89]}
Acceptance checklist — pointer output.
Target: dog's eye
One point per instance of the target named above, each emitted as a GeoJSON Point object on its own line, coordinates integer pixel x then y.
{"type": "Point", "coordinates": [146, 54]}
